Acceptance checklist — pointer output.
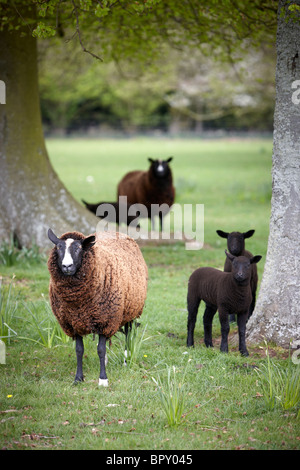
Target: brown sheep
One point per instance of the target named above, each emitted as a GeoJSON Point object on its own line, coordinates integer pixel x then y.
{"type": "Point", "coordinates": [150, 188]}
{"type": "Point", "coordinates": [116, 212]}
{"type": "Point", "coordinates": [97, 285]}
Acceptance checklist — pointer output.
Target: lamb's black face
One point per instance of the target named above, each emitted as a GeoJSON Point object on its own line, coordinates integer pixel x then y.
{"type": "Point", "coordinates": [160, 167]}
{"type": "Point", "coordinates": [236, 243]}
{"type": "Point", "coordinates": [241, 267]}
{"type": "Point", "coordinates": [235, 240]}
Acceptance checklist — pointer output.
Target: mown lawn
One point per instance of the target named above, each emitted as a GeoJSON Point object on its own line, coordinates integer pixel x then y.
{"type": "Point", "coordinates": [224, 406]}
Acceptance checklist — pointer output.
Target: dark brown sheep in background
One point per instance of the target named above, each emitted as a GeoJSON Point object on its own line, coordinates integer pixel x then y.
{"type": "Point", "coordinates": [236, 246]}
{"type": "Point", "coordinates": [229, 293]}
{"type": "Point", "coordinates": [116, 212]}
{"type": "Point", "coordinates": [152, 188]}
{"type": "Point", "coordinates": [97, 285]}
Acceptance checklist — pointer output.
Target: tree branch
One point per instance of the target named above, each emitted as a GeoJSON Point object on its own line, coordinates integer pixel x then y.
{"type": "Point", "coordinates": [79, 34]}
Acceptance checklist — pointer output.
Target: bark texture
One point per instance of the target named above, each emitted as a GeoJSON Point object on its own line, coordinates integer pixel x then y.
{"type": "Point", "coordinates": [277, 312]}
{"type": "Point", "coordinates": [32, 198]}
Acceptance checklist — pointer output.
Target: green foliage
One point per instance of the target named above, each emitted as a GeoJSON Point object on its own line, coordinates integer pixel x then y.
{"type": "Point", "coordinates": [280, 385]}
{"type": "Point", "coordinates": [43, 326]}
{"type": "Point", "coordinates": [172, 393]}
{"type": "Point", "coordinates": [129, 352]}
{"type": "Point", "coordinates": [8, 309]}
{"type": "Point", "coordinates": [11, 254]}
{"type": "Point", "coordinates": [43, 31]}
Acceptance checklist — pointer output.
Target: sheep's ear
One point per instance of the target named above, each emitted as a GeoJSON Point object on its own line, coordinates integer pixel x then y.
{"type": "Point", "coordinates": [52, 237]}
{"type": "Point", "coordinates": [229, 255]}
{"type": "Point", "coordinates": [222, 234]}
{"type": "Point", "coordinates": [88, 242]}
{"type": "Point", "coordinates": [255, 259]}
{"type": "Point", "coordinates": [169, 159]}
{"type": "Point", "coordinates": [150, 160]}
{"type": "Point", "coordinates": [248, 234]}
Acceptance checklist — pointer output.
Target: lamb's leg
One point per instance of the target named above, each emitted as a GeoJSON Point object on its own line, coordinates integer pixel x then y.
{"type": "Point", "coordinates": [241, 321]}
{"type": "Point", "coordinates": [208, 316]}
{"type": "Point", "coordinates": [252, 305]}
{"type": "Point", "coordinates": [102, 353]}
{"type": "Point", "coordinates": [193, 305]}
{"type": "Point", "coordinates": [224, 320]}
{"type": "Point", "coordinates": [79, 354]}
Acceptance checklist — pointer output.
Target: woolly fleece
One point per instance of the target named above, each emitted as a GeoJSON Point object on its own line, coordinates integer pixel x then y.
{"type": "Point", "coordinates": [107, 291]}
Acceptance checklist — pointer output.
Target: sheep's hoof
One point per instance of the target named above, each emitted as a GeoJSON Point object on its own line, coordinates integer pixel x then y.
{"type": "Point", "coordinates": [103, 382]}
{"type": "Point", "coordinates": [78, 380]}
{"type": "Point", "coordinates": [244, 353]}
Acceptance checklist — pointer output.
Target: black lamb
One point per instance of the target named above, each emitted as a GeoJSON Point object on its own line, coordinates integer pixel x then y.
{"type": "Point", "coordinates": [236, 246]}
{"type": "Point", "coordinates": [227, 292]}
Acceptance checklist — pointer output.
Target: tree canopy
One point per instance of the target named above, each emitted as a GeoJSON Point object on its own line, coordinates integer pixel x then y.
{"type": "Point", "coordinates": [139, 29]}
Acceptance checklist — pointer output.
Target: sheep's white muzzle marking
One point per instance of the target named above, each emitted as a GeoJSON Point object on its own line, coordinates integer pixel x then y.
{"type": "Point", "coordinates": [68, 260]}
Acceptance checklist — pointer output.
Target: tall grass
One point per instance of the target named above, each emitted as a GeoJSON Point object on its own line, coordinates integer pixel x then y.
{"type": "Point", "coordinates": [8, 308]}
{"type": "Point", "coordinates": [280, 385]}
{"type": "Point", "coordinates": [172, 393]}
{"type": "Point", "coordinates": [45, 330]}
{"type": "Point", "coordinates": [11, 254]}
{"type": "Point", "coordinates": [134, 342]}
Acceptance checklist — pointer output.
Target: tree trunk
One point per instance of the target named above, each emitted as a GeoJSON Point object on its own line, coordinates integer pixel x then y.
{"type": "Point", "coordinates": [32, 198]}
{"type": "Point", "coordinates": [277, 313]}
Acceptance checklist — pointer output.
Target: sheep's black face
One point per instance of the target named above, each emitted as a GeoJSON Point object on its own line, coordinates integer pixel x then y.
{"type": "Point", "coordinates": [160, 168]}
{"type": "Point", "coordinates": [241, 267]}
{"type": "Point", "coordinates": [235, 240]}
{"type": "Point", "coordinates": [69, 256]}
{"type": "Point", "coordinates": [235, 243]}
{"type": "Point", "coordinates": [70, 252]}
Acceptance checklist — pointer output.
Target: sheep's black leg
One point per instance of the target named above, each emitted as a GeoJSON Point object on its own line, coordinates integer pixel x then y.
{"type": "Point", "coordinates": [101, 353]}
{"type": "Point", "coordinates": [231, 318]}
{"type": "Point", "coordinates": [160, 221]}
{"type": "Point", "coordinates": [252, 305]}
{"type": "Point", "coordinates": [128, 327]}
{"type": "Point", "coordinates": [208, 316]}
{"type": "Point", "coordinates": [224, 330]}
{"type": "Point", "coordinates": [79, 354]}
{"type": "Point", "coordinates": [193, 305]}
{"type": "Point", "coordinates": [241, 321]}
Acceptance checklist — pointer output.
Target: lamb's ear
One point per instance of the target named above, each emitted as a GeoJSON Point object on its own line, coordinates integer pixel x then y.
{"type": "Point", "coordinates": [88, 242]}
{"type": "Point", "coordinates": [222, 234]}
{"type": "Point", "coordinates": [150, 160]}
{"type": "Point", "coordinates": [248, 234]}
{"type": "Point", "coordinates": [255, 259]}
{"type": "Point", "coordinates": [229, 255]}
{"type": "Point", "coordinates": [169, 159]}
{"type": "Point", "coordinates": [52, 237]}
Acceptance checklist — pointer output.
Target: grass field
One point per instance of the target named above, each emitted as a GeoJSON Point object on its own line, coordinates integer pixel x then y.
{"type": "Point", "coordinates": [224, 406]}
